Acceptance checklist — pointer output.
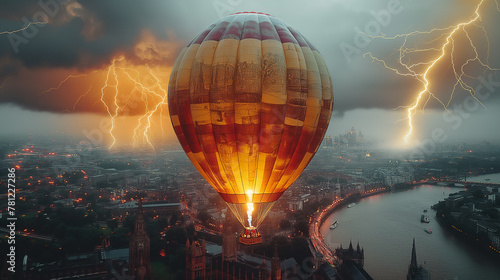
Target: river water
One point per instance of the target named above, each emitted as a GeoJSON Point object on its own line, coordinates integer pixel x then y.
{"type": "Point", "coordinates": [386, 224]}
{"type": "Point", "coordinates": [489, 178]}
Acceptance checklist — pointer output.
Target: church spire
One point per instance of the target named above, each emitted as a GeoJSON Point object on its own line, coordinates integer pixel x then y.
{"type": "Point", "coordinates": [276, 264]}
{"type": "Point", "coordinates": [413, 263]}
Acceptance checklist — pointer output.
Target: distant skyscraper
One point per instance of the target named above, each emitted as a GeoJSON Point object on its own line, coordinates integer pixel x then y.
{"type": "Point", "coordinates": [140, 265]}
{"type": "Point", "coordinates": [351, 138]}
{"type": "Point", "coordinates": [361, 138]}
{"type": "Point", "coordinates": [328, 141]}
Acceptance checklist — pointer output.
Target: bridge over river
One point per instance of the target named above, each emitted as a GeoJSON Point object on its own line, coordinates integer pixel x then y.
{"type": "Point", "coordinates": [458, 183]}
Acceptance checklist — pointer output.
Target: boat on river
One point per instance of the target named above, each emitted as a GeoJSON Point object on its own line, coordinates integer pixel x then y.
{"type": "Point", "coordinates": [334, 225]}
{"type": "Point", "coordinates": [424, 219]}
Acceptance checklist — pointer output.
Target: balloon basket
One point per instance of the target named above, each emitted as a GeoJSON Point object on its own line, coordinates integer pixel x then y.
{"type": "Point", "coordinates": [250, 236]}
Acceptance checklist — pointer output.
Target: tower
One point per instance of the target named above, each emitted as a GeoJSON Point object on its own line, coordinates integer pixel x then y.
{"type": "Point", "coordinates": [357, 256]}
{"type": "Point", "coordinates": [275, 265]}
{"type": "Point", "coordinates": [328, 142]}
{"type": "Point", "coordinates": [414, 270]}
{"type": "Point", "coordinates": [263, 274]}
{"type": "Point", "coordinates": [229, 245]}
{"type": "Point", "coordinates": [361, 138]}
{"type": "Point", "coordinates": [196, 259]}
{"type": "Point", "coordinates": [351, 137]}
{"type": "Point", "coordinates": [140, 265]}
{"type": "Point", "coordinates": [413, 262]}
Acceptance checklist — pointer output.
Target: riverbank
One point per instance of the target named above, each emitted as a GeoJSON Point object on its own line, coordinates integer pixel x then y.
{"type": "Point", "coordinates": [472, 216]}
{"type": "Point", "coordinates": [471, 239]}
{"type": "Point", "coordinates": [353, 198]}
{"type": "Point", "coordinates": [385, 226]}
{"type": "Point", "coordinates": [318, 220]}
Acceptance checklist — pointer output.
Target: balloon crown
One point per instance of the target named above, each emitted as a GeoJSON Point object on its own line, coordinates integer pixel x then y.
{"type": "Point", "coordinates": [259, 13]}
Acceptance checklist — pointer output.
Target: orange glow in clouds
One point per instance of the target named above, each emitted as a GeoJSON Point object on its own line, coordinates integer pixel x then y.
{"type": "Point", "coordinates": [131, 91]}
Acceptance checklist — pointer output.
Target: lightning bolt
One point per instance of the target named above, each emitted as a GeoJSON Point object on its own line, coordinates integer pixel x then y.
{"type": "Point", "coordinates": [77, 101]}
{"type": "Point", "coordinates": [15, 31]}
{"type": "Point", "coordinates": [146, 93]}
{"type": "Point", "coordinates": [4, 81]}
{"type": "Point", "coordinates": [412, 69]}
{"type": "Point", "coordinates": [159, 105]}
{"type": "Point", "coordinates": [23, 28]}
{"type": "Point", "coordinates": [112, 72]}
{"type": "Point", "coordinates": [115, 96]}
{"type": "Point", "coordinates": [153, 97]}
{"type": "Point", "coordinates": [62, 82]}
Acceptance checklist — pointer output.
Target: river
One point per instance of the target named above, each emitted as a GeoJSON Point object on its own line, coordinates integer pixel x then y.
{"type": "Point", "coordinates": [386, 224]}
{"type": "Point", "coordinates": [488, 178]}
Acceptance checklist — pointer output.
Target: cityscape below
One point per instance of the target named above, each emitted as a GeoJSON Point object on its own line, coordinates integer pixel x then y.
{"type": "Point", "coordinates": [80, 211]}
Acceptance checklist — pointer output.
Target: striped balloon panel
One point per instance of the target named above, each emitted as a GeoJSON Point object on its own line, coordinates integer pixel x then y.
{"type": "Point", "coordinates": [250, 100]}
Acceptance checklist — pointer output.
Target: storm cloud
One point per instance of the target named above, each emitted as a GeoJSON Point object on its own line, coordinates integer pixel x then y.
{"type": "Point", "coordinates": [84, 36]}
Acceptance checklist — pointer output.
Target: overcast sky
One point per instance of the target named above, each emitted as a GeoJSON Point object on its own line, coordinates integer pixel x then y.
{"type": "Point", "coordinates": [83, 38]}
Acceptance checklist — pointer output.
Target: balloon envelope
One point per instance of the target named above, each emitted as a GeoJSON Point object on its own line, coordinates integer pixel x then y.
{"type": "Point", "coordinates": [250, 100]}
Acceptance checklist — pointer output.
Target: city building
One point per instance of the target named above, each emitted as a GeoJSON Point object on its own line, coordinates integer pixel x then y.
{"type": "Point", "coordinates": [351, 263]}
{"type": "Point", "coordinates": [196, 255]}
{"type": "Point", "coordinates": [357, 256]}
{"type": "Point", "coordinates": [140, 265]}
{"type": "Point", "coordinates": [229, 238]}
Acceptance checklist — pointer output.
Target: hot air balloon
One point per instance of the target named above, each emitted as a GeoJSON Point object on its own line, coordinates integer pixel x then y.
{"type": "Point", "coordinates": [250, 100]}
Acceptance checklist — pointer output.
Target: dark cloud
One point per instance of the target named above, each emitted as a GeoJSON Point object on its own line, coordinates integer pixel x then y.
{"type": "Point", "coordinates": [87, 35]}
{"type": "Point", "coordinates": [65, 41]}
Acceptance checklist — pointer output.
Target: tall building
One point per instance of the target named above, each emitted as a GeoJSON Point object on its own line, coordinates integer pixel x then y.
{"type": "Point", "coordinates": [416, 272]}
{"type": "Point", "coordinates": [357, 256]}
{"type": "Point", "coordinates": [351, 138]}
{"type": "Point", "coordinates": [328, 141]}
{"type": "Point", "coordinates": [361, 138]}
{"type": "Point", "coordinates": [140, 265]}
{"type": "Point", "coordinates": [196, 259]}
{"type": "Point", "coordinates": [351, 263]}
{"type": "Point", "coordinates": [276, 265]}
{"type": "Point", "coordinates": [229, 239]}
